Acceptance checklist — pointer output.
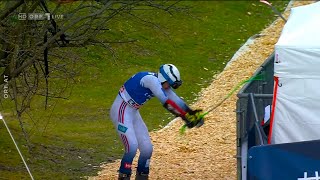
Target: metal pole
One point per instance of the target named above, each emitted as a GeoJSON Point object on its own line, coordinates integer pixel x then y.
{"type": "Point", "coordinates": [273, 9]}
{"type": "Point", "coordinates": [256, 118]}
{"type": "Point", "coordinates": [24, 162]}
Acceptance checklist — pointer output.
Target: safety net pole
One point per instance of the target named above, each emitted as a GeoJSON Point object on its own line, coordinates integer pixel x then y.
{"type": "Point", "coordinates": [24, 162]}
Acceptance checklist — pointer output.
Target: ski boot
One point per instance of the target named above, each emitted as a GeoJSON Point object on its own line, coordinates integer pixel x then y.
{"type": "Point", "coordinates": [142, 176]}
{"type": "Point", "coordinates": [123, 176]}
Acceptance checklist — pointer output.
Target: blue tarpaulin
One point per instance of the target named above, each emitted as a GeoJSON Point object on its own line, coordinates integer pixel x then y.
{"type": "Point", "coordinates": [289, 161]}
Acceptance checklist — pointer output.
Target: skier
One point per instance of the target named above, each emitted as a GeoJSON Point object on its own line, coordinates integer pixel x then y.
{"type": "Point", "coordinates": [127, 120]}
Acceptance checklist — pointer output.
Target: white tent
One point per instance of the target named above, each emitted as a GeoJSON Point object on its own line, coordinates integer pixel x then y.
{"type": "Point", "coordinates": [296, 100]}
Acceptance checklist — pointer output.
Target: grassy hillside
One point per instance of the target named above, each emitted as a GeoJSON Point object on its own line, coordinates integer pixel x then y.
{"type": "Point", "coordinates": [74, 136]}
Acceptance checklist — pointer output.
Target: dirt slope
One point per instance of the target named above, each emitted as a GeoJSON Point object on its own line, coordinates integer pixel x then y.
{"type": "Point", "coordinates": [207, 152]}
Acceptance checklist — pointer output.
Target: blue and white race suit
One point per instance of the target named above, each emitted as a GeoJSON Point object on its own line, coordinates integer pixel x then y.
{"type": "Point", "coordinates": [127, 120]}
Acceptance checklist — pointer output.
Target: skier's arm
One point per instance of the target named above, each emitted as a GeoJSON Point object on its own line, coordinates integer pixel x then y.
{"type": "Point", "coordinates": [172, 102]}
{"type": "Point", "coordinates": [155, 86]}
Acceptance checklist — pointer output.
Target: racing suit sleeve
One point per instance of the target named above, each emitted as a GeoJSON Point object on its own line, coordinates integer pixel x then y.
{"type": "Point", "coordinates": [174, 97]}
{"type": "Point", "coordinates": [172, 102]}
{"type": "Point", "coordinates": [177, 108]}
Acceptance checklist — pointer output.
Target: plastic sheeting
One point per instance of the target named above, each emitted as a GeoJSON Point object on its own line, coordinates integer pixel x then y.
{"type": "Point", "coordinates": [296, 102]}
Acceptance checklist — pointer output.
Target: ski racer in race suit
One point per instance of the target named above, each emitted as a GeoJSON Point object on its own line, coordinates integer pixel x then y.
{"type": "Point", "coordinates": [127, 120]}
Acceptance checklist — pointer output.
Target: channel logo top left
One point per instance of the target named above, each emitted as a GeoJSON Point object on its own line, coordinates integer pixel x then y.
{"type": "Point", "coordinates": [38, 16]}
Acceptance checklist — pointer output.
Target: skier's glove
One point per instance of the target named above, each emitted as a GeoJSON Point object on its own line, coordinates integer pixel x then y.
{"type": "Point", "coordinates": [194, 119]}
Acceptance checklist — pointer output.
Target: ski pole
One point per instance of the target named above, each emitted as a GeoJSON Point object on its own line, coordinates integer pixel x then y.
{"type": "Point", "coordinates": [254, 78]}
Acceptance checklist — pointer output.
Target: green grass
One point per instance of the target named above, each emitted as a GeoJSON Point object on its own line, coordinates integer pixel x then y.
{"type": "Point", "coordinates": [74, 136]}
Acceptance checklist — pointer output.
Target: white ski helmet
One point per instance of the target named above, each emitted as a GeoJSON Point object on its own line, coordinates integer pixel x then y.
{"type": "Point", "coordinates": [171, 74]}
